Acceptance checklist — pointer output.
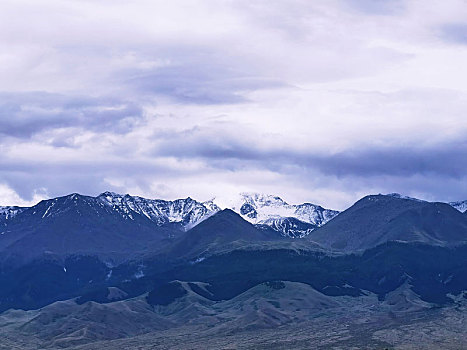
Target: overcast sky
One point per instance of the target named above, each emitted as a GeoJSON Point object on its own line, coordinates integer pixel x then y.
{"type": "Point", "coordinates": [319, 101]}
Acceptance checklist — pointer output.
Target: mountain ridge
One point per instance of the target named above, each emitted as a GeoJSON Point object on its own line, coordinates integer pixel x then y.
{"type": "Point", "coordinates": [188, 212]}
{"type": "Point", "coordinates": [77, 224]}
{"type": "Point", "coordinates": [266, 212]}
{"type": "Point", "coordinates": [295, 221]}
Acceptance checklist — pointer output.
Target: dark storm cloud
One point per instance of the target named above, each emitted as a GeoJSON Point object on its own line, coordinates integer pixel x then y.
{"type": "Point", "coordinates": [447, 159]}
{"type": "Point", "coordinates": [87, 176]}
{"type": "Point", "coordinates": [25, 114]}
{"type": "Point", "coordinates": [444, 160]}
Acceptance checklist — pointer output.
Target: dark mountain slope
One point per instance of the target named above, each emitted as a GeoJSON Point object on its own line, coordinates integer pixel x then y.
{"type": "Point", "coordinates": [78, 224]}
{"type": "Point", "coordinates": [224, 230]}
{"type": "Point", "coordinates": [374, 220]}
{"type": "Point", "coordinates": [433, 271]}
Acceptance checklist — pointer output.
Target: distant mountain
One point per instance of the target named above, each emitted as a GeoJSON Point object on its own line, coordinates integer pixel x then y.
{"type": "Point", "coordinates": [295, 221]}
{"type": "Point", "coordinates": [267, 212]}
{"type": "Point", "coordinates": [377, 219]}
{"type": "Point", "coordinates": [460, 205]}
{"type": "Point", "coordinates": [114, 226]}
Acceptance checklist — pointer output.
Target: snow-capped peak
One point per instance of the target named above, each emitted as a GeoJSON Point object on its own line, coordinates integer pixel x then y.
{"type": "Point", "coordinates": [187, 212]}
{"type": "Point", "coordinates": [109, 196]}
{"type": "Point", "coordinates": [262, 200]}
{"type": "Point", "coordinates": [273, 211]}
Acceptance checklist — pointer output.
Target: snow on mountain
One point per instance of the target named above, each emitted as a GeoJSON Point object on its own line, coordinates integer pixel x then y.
{"type": "Point", "coordinates": [398, 195]}
{"type": "Point", "coordinates": [183, 212]}
{"type": "Point", "coordinates": [290, 220]}
{"type": "Point", "coordinates": [460, 205]}
{"type": "Point", "coordinates": [9, 212]}
{"type": "Point", "coordinates": [264, 211]}
{"type": "Point", "coordinates": [288, 227]}
{"type": "Point", "coordinates": [187, 212]}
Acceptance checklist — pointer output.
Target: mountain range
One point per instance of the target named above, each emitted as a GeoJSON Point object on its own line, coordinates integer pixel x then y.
{"type": "Point", "coordinates": [121, 260]}
{"type": "Point", "coordinates": [119, 227]}
{"type": "Point", "coordinates": [264, 211]}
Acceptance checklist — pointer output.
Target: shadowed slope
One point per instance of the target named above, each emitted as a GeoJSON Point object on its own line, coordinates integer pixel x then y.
{"type": "Point", "coordinates": [374, 220]}
{"type": "Point", "coordinates": [77, 224]}
{"type": "Point", "coordinates": [224, 230]}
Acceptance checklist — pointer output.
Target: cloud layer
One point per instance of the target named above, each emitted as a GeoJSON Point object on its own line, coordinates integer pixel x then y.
{"type": "Point", "coordinates": [321, 101]}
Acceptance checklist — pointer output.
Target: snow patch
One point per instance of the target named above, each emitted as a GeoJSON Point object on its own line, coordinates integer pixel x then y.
{"type": "Point", "coordinates": [461, 205]}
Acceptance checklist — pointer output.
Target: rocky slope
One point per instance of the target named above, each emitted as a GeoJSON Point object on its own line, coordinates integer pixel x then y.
{"type": "Point", "coordinates": [186, 212]}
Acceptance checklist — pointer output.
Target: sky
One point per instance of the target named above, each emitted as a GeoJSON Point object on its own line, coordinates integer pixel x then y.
{"type": "Point", "coordinates": [320, 101]}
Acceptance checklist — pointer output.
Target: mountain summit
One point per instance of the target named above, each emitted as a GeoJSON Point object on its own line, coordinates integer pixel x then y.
{"type": "Point", "coordinates": [224, 230]}
{"type": "Point", "coordinates": [268, 211]}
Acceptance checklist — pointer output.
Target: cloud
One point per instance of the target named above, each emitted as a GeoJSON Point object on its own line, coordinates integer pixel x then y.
{"type": "Point", "coordinates": [320, 101]}
{"type": "Point", "coordinates": [200, 77]}
{"type": "Point", "coordinates": [455, 32]}
{"type": "Point", "coordinates": [233, 152]}
{"type": "Point", "coordinates": [25, 114]}
{"type": "Point", "coordinates": [9, 197]}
